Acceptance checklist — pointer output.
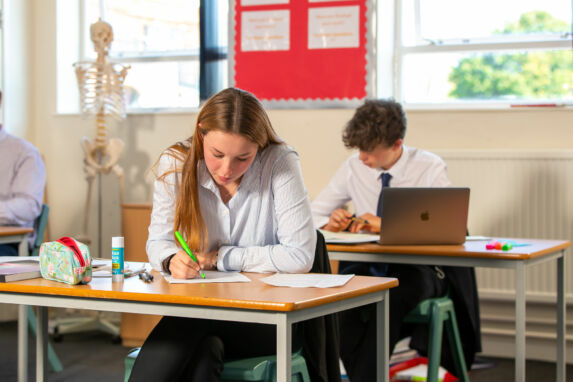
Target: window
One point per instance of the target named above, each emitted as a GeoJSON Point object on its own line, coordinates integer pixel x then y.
{"type": "Point", "coordinates": [173, 63]}
{"type": "Point", "coordinates": [467, 51]}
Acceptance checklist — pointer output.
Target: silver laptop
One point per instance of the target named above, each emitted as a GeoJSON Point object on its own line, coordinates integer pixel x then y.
{"type": "Point", "coordinates": [424, 215]}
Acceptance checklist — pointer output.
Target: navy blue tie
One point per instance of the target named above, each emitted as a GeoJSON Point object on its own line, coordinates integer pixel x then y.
{"type": "Point", "coordinates": [381, 269]}
{"type": "Point", "coordinates": [385, 183]}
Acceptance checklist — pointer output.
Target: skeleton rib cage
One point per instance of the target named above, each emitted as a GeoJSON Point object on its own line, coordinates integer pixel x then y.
{"type": "Point", "coordinates": [101, 88]}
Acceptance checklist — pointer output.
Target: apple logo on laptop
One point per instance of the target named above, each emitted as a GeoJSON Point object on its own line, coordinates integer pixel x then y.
{"type": "Point", "coordinates": [425, 216]}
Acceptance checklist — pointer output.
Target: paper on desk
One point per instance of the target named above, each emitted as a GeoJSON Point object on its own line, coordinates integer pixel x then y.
{"type": "Point", "coordinates": [349, 238]}
{"type": "Point", "coordinates": [306, 280]}
{"type": "Point", "coordinates": [211, 277]}
{"type": "Point", "coordinates": [13, 259]}
{"type": "Point", "coordinates": [477, 238]}
{"type": "Point", "coordinates": [103, 268]}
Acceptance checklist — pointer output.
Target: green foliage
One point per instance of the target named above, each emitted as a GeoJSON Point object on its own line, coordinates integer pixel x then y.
{"type": "Point", "coordinates": [540, 74]}
{"type": "Point", "coordinates": [536, 22]}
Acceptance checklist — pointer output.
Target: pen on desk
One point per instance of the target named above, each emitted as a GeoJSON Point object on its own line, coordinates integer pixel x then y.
{"type": "Point", "coordinates": [187, 250]}
{"type": "Point", "coordinates": [146, 277]}
{"type": "Point", "coordinates": [359, 220]}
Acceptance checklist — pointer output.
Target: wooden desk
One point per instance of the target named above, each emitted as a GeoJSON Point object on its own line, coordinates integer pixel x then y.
{"type": "Point", "coordinates": [265, 304]}
{"type": "Point", "coordinates": [8, 235]}
{"type": "Point", "coordinates": [474, 254]}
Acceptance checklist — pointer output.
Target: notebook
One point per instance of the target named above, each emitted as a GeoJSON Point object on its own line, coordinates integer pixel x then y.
{"type": "Point", "coordinates": [19, 270]}
{"type": "Point", "coordinates": [424, 215]}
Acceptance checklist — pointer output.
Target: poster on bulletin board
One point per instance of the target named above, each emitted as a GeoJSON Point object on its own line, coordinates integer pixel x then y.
{"type": "Point", "coordinates": [303, 53]}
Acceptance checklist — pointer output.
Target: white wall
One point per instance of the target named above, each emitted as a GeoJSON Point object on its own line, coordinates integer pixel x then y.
{"type": "Point", "coordinates": [314, 133]}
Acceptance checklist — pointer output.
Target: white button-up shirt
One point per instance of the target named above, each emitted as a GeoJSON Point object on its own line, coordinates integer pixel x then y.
{"type": "Point", "coordinates": [266, 226]}
{"type": "Point", "coordinates": [362, 185]}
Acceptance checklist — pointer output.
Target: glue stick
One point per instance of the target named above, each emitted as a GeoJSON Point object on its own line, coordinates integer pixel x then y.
{"type": "Point", "coordinates": [117, 259]}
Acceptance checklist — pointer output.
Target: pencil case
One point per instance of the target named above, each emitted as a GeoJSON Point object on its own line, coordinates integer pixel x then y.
{"type": "Point", "coordinates": [66, 260]}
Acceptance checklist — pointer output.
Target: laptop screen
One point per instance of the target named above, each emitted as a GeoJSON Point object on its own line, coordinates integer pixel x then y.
{"type": "Point", "coordinates": [424, 215]}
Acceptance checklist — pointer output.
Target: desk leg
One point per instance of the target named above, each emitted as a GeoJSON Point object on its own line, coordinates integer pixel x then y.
{"type": "Point", "coordinates": [284, 350]}
{"type": "Point", "coordinates": [41, 344]}
{"type": "Point", "coordinates": [382, 328]}
{"type": "Point", "coordinates": [22, 343]}
{"type": "Point", "coordinates": [520, 322]}
{"type": "Point", "coordinates": [23, 247]}
{"type": "Point", "coordinates": [23, 325]}
{"type": "Point", "coordinates": [561, 347]}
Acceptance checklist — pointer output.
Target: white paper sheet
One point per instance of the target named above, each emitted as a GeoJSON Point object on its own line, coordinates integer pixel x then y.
{"type": "Point", "coordinates": [265, 30]}
{"type": "Point", "coordinates": [477, 238]}
{"type": "Point", "coordinates": [349, 238]}
{"type": "Point", "coordinates": [102, 268]}
{"type": "Point", "coordinates": [333, 27]}
{"type": "Point", "coordinates": [211, 277]}
{"type": "Point", "coordinates": [13, 259]}
{"type": "Point", "coordinates": [306, 280]}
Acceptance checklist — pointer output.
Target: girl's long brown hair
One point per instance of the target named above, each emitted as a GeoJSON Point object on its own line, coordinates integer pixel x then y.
{"type": "Point", "coordinates": [232, 111]}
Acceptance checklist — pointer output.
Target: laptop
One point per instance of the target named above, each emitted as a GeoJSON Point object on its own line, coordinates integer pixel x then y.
{"type": "Point", "coordinates": [424, 215]}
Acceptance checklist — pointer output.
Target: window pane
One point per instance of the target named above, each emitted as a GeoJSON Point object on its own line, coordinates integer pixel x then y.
{"type": "Point", "coordinates": [501, 76]}
{"type": "Point", "coordinates": [163, 85]}
{"type": "Point", "coordinates": [153, 26]}
{"type": "Point", "coordinates": [469, 19]}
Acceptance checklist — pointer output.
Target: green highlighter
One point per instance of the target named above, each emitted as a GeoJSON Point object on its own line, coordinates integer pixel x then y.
{"type": "Point", "coordinates": [186, 249]}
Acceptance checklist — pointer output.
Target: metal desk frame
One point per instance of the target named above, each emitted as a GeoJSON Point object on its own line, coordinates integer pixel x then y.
{"type": "Point", "coordinates": [283, 320]}
{"type": "Point", "coordinates": [518, 265]}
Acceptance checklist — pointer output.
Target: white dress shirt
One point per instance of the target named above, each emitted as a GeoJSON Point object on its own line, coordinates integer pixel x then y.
{"type": "Point", "coordinates": [266, 226]}
{"type": "Point", "coordinates": [22, 181]}
{"type": "Point", "coordinates": [358, 183]}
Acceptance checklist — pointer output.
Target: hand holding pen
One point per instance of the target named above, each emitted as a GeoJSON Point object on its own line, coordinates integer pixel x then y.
{"type": "Point", "coordinates": [188, 266]}
{"type": "Point", "coordinates": [366, 222]}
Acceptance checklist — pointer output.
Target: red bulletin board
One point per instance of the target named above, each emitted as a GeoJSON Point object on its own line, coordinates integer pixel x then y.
{"type": "Point", "coordinates": [298, 73]}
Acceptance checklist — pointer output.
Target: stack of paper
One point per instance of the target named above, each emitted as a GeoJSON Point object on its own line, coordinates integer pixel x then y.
{"type": "Point", "coordinates": [349, 238]}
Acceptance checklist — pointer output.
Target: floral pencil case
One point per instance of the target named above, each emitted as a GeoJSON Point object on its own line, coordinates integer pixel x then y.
{"type": "Point", "coordinates": [66, 260]}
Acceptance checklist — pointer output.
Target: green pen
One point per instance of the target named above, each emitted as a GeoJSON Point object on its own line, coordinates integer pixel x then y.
{"type": "Point", "coordinates": [186, 249]}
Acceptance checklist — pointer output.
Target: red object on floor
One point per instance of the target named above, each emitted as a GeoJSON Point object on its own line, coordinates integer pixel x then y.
{"type": "Point", "coordinates": [415, 362]}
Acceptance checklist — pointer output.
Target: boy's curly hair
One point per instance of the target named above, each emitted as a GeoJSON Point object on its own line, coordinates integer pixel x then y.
{"type": "Point", "coordinates": [375, 122]}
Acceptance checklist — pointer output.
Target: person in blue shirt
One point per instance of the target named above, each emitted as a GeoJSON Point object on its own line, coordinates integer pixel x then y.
{"type": "Point", "coordinates": [235, 192]}
{"type": "Point", "coordinates": [22, 187]}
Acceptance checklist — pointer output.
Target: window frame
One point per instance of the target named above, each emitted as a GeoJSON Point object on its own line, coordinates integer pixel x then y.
{"type": "Point", "coordinates": [533, 42]}
{"type": "Point", "coordinates": [208, 17]}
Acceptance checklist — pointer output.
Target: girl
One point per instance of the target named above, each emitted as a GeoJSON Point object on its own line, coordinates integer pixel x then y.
{"type": "Point", "coordinates": [235, 192]}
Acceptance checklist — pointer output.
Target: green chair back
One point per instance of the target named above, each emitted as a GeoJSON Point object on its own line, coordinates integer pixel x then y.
{"type": "Point", "coordinates": [40, 225]}
{"type": "Point", "coordinates": [40, 228]}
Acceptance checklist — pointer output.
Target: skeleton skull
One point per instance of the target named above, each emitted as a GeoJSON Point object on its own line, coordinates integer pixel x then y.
{"type": "Point", "coordinates": [101, 34]}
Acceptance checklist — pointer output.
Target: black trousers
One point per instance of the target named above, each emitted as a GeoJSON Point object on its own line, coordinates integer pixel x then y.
{"type": "Point", "coordinates": [187, 349]}
{"type": "Point", "coordinates": [358, 326]}
{"type": "Point", "coordinates": [9, 249]}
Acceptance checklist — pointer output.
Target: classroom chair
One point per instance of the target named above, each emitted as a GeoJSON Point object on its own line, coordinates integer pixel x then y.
{"type": "Point", "coordinates": [249, 369]}
{"type": "Point", "coordinates": [437, 312]}
{"type": "Point", "coordinates": [40, 225]}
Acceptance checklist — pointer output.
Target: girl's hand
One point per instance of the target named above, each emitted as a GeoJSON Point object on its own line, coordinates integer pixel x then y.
{"type": "Point", "coordinates": [182, 266]}
{"type": "Point", "coordinates": [207, 260]}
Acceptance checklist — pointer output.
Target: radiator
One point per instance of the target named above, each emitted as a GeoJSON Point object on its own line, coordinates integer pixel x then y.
{"type": "Point", "coordinates": [517, 194]}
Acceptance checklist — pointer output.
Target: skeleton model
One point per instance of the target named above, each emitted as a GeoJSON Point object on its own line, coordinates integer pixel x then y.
{"type": "Point", "coordinates": [100, 86]}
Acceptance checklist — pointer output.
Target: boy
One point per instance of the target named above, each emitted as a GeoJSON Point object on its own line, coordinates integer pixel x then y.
{"type": "Point", "coordinates": [377, 130]}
